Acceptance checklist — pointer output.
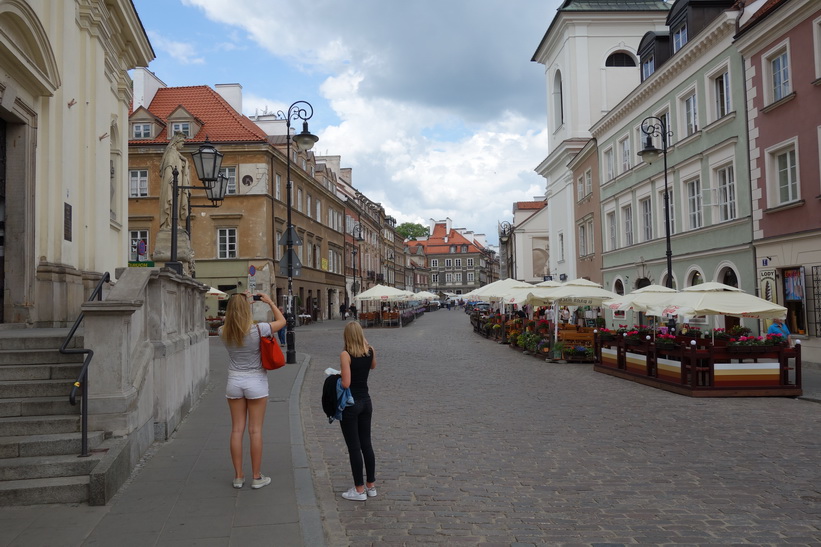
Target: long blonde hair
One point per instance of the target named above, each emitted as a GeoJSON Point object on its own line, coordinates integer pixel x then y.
{"type": "Point", "coordinates": [355, 343]}
{"type": "Point", "coordinates": [238, 320]}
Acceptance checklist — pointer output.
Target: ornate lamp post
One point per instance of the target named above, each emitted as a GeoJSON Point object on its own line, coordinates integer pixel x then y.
{"type": "Point", "coordinates": [300, 110]}
{"type": "Point", "coordinates": [207, 160]}
{"type": "Point", "coordinates": [357, 236]}
{"type": "Point", "coordinates": [505, 230]}
{"type": "Point", "coordinates": [653, 126]}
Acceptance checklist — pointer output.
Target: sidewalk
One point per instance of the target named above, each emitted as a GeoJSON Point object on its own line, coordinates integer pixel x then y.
{"type": "Point", "coordinates": [181, 493]}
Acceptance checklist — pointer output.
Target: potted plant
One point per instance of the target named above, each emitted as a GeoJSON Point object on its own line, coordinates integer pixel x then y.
{"type": "Point", "coordinates": [665, 341]}
{"type": "Point", "coordinates": [558, 349]}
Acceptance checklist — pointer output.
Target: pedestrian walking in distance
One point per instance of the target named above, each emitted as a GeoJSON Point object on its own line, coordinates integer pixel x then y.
{"type": "Point", "coordinates": [356, 362]}
{"type": "Point", "coordinates": [247, 387]}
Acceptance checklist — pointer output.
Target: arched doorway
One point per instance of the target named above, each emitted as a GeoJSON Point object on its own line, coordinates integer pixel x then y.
{"type": "Point", "coordinates": [729, 277]}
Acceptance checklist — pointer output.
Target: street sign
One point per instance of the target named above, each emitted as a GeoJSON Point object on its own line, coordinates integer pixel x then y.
{"type": "Point", "coordinates": [290, 254]}
{"type": "Point", "coordinates": [252, 271]}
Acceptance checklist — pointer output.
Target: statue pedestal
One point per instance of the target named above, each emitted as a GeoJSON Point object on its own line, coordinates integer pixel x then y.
{"type": "Point", "coordinates": [185, 254]}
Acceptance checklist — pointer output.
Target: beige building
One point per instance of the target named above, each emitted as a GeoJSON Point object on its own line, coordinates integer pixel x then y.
{"type": "Point", "coordinates": [65, 95]}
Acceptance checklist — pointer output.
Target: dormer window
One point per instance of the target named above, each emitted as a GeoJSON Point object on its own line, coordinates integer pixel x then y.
{"type": "Point", "coordinates": [680, 37]}
{"type": "Point", "coordinates": [181, 127]}
{"type": "Point", "coordinates": [648, 67]}
{"type": "Point", "coordinates": [141, 131]}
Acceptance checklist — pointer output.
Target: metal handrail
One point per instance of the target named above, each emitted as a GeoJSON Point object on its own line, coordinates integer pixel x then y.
{"type": "Point", "coordinates": [82, 379]}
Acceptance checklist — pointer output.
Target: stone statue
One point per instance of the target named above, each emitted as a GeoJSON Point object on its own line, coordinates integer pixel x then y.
{"type": "Point", "coordinates": [173, 158]}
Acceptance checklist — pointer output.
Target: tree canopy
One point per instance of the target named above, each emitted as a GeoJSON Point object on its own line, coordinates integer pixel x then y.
{"type": "Point", "coordinates": [409, 230]}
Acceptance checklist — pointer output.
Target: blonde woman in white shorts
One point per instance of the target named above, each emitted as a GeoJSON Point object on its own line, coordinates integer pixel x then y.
{"type": "Point", "coordinates": [247, 388]}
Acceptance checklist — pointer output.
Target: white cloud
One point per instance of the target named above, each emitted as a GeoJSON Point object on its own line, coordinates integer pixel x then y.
{"type": "Point", "coordinates": [183, 52]}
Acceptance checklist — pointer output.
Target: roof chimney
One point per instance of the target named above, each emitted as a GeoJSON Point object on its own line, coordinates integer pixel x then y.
{"type": "Point", "coordinates": [232, 93]}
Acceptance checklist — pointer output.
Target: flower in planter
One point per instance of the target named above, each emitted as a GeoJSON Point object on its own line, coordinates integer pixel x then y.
{"type": "Point", "coordinates": [543, 346]}
{"type": "Point", "coordinates": [665, 340]}
{"type": "Point", "coordinates": [769, 340]}
{"type": "Point", "coordinates": [738, 330]}
{"type": "Point", "coordinates": [692, 332]}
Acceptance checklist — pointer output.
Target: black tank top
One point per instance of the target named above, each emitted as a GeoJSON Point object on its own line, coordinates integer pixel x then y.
{"type": "Point", "coordinates": [360, 368]}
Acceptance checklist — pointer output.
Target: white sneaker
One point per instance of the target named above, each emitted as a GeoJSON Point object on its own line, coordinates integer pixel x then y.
{"type": "Point", "coordinates": [371, 491]}
{"type": "Point", "coordinates": [260, 482]}
{"type": "Point", "coordinates": [353, 495]}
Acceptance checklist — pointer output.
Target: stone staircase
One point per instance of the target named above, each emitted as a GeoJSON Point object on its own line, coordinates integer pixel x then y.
{"type": "Point", "coordinates": [40, 438]}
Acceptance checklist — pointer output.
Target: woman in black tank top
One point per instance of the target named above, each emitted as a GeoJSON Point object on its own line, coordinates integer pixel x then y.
{"type": "Point", "coordinates": [356, 362]}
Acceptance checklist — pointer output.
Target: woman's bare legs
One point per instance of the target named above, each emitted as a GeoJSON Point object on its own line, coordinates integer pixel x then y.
{"type": "Point", "coordinates": [238, 409]}
{"type": "Point", "coordinates": [256, 415]}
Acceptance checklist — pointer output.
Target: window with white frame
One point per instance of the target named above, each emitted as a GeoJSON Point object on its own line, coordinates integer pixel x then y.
{"type": "Point", "coordinates": [690, 108]}
{"type": "Point", "coordinates": [458, 262]}
{"type": "Point", "coordinates": [785, 174]}
{"type": "Point", "coordinates": [588, 182]}
{"type": "Point", "coordinates": [138, 183]}
{"type": "Point", "coordinates": [448, 278]}
{"type": "Point", "coordinates": [648, 67]}
{"type": "Point", "coordinates": [609, 164]}
{"type": "Point", "coordinates": [582, 240]}
{"type": "Point", "coordinates": [318, 211]}
{"type": "Point", "coordinates": [309, 206]}
{"type": "Point", "coordinates": [561, 247]}
{"type": "Point", "coordinates": [278, 248]}
{"type": "Point", "coordinates": [470, 262]}
{"type": "Point", "coordinates": [624, 149]}
{"type": "Point", "coordinates": [721, 94]}
{"type": "Point", "coordinates": [471, 277]}
{"type": "Point", "coordinates": [278, 188]}
{"type": "Point", "coordinates": [181, 127]}
{"type": "Point", "coordinates": [780, 75]}
{"type": "Point", "coordinates": [580, 188]}
{"type": "Point", "coordinates": [627, 218]}
{"type": "Point", "coordinates": [611, 230]}
{"type": "Point", "coordinates": [457, 277]}
{"type": "Point", "coordinates": [141, 131]}
{"type": "Point", "coordinates": [139, 246]}
{"type": "Point", "coordinates": [227, 243]}
{"type": "Point", "coordinates": [665, 117]}
{"type": "Point", "coordinates": [434, 278]}
{"type": "Point", "coordinates": [434, 263]}
{"type": "Point", "coordinates": [725, 183]}
{"type": "Point", "coordinates": [591, 247]}
{"type": "Point", "coordinates": [448, 263]}
{"type": "Point", "coordinates": [646, 208]}
{"type": "Point", "coordinates": [231, 174]}
{"type": "Point", "coordinates": [671, 212]}
{"type": "Point", "coordinates": [694, 205]}
{"type": "Point", "coordinates": [679, 37]}
{"type": "Point", "coordinates": [299, 200]}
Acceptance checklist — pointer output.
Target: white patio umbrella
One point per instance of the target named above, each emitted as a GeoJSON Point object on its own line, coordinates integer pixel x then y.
{"type": "Point", "coordinates": [577, 292]}
{"type": "Point", "coordinates": [720, 299]}
{"type": "Point", "coordinates": [218, 294]}
{"type": "Point", "coordinates": [425, 295]}
{"type": "Point", "coordinates": [652, 300]}
{"type": "Point", "coordinates": [384, 293]}
{"type": "Point", "coordinates": [497, 289]}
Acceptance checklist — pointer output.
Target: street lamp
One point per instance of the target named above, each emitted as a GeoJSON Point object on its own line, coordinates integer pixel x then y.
{"type": "Point", "coordinates": [207, 160]}
{"type": "Point", "coordinates": [357, 236]}
{"type": "Point", "coordinates": [505, 230]}
{"type": "Point", "coordinates": [653, 126]}
{"type": "Point", "coordinates": [300, 110]}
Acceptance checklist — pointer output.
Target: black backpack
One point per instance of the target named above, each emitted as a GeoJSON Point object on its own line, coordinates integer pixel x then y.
{"type": "Point", "coordinates": [329, 400]}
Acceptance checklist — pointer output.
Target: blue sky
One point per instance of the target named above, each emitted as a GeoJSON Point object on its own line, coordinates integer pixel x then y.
{"type": "Point", "coordinates": [435, 104]}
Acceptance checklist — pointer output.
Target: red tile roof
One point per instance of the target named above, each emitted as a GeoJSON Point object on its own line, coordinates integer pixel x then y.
{"type": "Point", "coordinates": [436, 243]}
{"type": "Point", "coordinates": [536, 205]}
{"type": "Point", "coordinates": [220, 122]}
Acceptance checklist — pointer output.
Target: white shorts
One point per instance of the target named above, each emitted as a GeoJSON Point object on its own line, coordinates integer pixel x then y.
{"type": "Point", "coordinates": [248, 385]}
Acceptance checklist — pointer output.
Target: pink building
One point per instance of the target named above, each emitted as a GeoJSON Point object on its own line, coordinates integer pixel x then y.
{"type": "Point", "coordinates": [780, 41]}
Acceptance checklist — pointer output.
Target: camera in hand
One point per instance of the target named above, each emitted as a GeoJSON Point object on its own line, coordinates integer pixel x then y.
{"type": "Point", "coordinates": [257, 297]}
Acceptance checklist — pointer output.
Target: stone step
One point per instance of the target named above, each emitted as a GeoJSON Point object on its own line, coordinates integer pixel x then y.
{"type": "Point", "coordinates": [42, 467]}
{"type": "Point", "coordinates": [38, 338]}
{"type": "Point", "coordinates": [46, 445]}
{"type": "Point", "coordinates": [62, 371]}
{"type": "Point", "coordinates": [38, 406]}
{"type": "Point", "coordinates": [38, 356]}
{"type": "Point", "coordinates": [39, 491]}
{"type": "Point", "coordinates": [38, 425]}
{"type": "Point", "coordinates": [16, 389]}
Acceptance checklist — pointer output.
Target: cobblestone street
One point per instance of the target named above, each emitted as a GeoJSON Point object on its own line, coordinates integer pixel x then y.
{"type": "Point", "coordinates": [479, 444]}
